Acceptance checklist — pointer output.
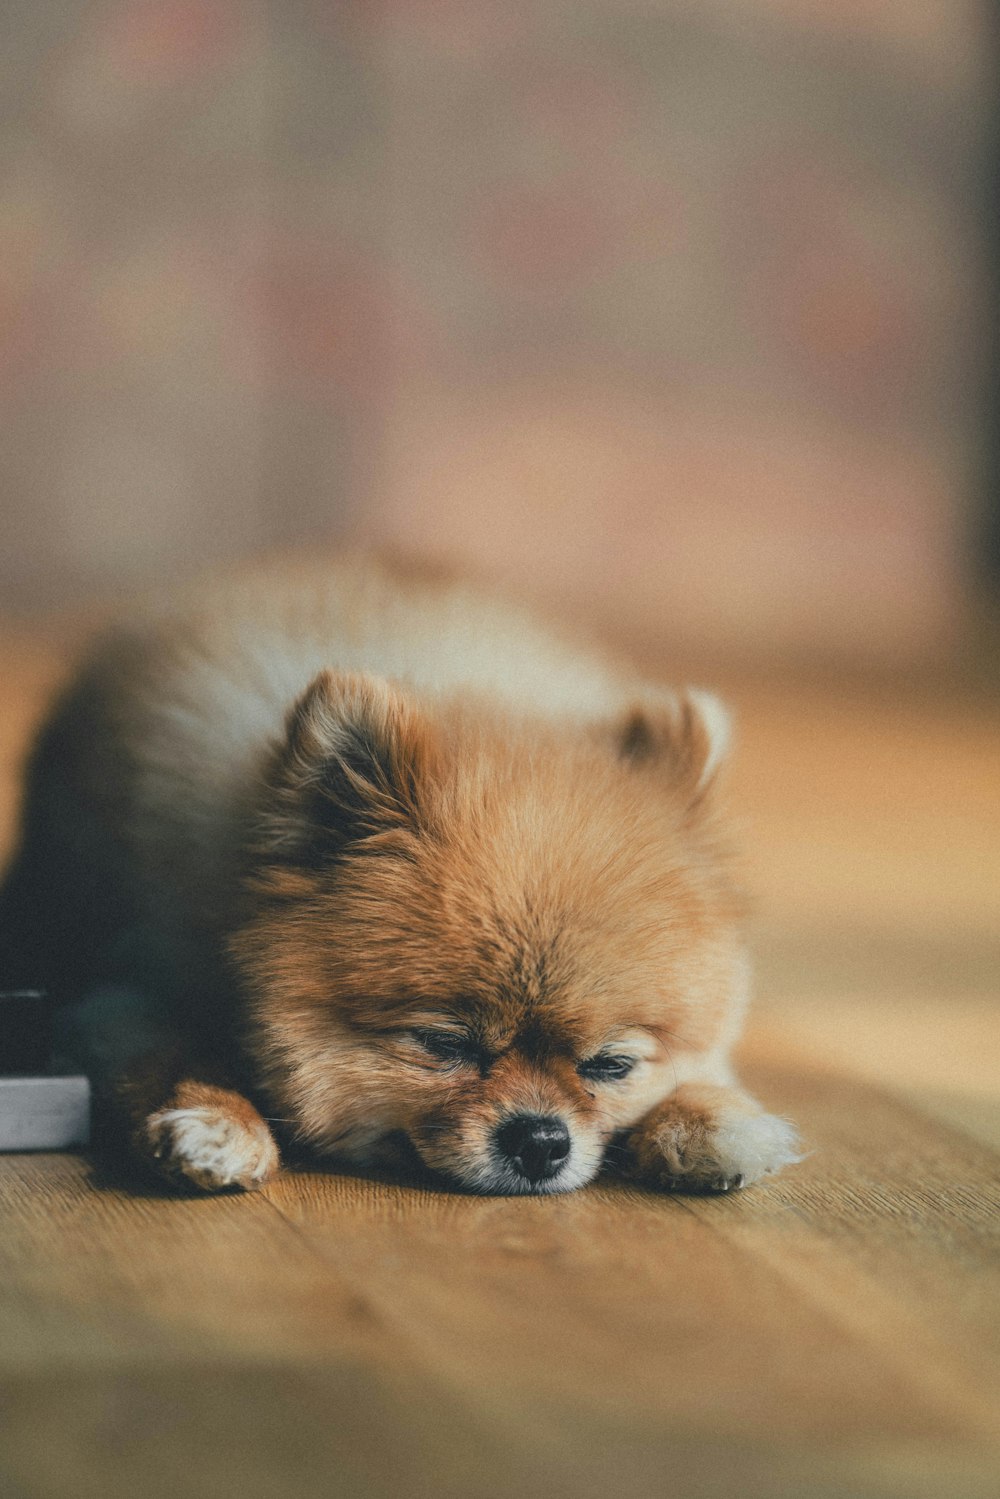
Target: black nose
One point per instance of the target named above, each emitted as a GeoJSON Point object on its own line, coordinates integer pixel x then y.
{"type": "Point", "coordinates": [536, 1145]}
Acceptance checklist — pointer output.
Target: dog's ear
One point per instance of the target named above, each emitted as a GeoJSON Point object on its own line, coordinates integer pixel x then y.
{"type": "Point", "coordinates": [687, 733]}
{"type": "Point", "coordinates": [348, 771]}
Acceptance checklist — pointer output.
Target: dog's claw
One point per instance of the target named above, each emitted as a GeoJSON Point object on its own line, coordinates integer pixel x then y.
{"type": "Point", "coordinates": [728, 1183]}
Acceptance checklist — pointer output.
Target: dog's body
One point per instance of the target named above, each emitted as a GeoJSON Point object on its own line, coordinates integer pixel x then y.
{"type": "Point", "coordinates": [395, 862]}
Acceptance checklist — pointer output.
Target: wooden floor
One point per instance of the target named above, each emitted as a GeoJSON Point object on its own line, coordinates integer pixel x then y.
{"type": "Point", "coordinates": [833, 1333]}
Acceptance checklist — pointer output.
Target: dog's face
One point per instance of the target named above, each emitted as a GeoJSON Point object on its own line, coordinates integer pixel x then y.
{"type": "Point", "coordinates": [499, 943]}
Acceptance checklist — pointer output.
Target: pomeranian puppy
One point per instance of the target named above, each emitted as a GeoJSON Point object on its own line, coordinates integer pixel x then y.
{"type": "Point", "coordinates": [361, 854]}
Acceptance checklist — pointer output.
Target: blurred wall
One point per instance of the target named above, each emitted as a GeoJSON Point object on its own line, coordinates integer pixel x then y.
{"type": "Point", "coordinates": [669, 311]}
{"type": "Point", "coordinates": [190, 219]}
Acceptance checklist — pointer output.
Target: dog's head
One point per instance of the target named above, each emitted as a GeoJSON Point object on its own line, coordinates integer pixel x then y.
{"type": "Point", "coordinates": [500, 939]}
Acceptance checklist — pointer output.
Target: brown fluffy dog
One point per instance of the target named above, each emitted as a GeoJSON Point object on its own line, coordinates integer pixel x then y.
{"type": "Point", "coordinates": [403, 868]}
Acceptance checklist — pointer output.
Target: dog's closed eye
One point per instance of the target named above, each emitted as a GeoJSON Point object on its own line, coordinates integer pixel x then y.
{"type": "Point", "coordinates": [450, 1046]}
{"type": "Point", "coordinates": [606, 1067]}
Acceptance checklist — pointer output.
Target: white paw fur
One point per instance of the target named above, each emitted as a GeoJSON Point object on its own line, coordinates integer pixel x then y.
{"type": "Point", "coordinates": [737, 1152]}
{"type": "Point", "coordinates": [211, 1148]}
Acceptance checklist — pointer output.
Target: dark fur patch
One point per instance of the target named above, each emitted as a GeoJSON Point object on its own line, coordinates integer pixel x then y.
{"type": "Point", "coordinates": [359, 790]}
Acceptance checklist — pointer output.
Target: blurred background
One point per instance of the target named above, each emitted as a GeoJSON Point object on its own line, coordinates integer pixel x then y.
{"type": "Point", "coordinates": [669, 311]}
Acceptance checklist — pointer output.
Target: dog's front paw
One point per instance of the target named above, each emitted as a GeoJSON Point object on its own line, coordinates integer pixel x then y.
{"type": "Point", "coordinates": [710, 1141]}
{"type": "Point", "coordinates": [211, 1148]}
